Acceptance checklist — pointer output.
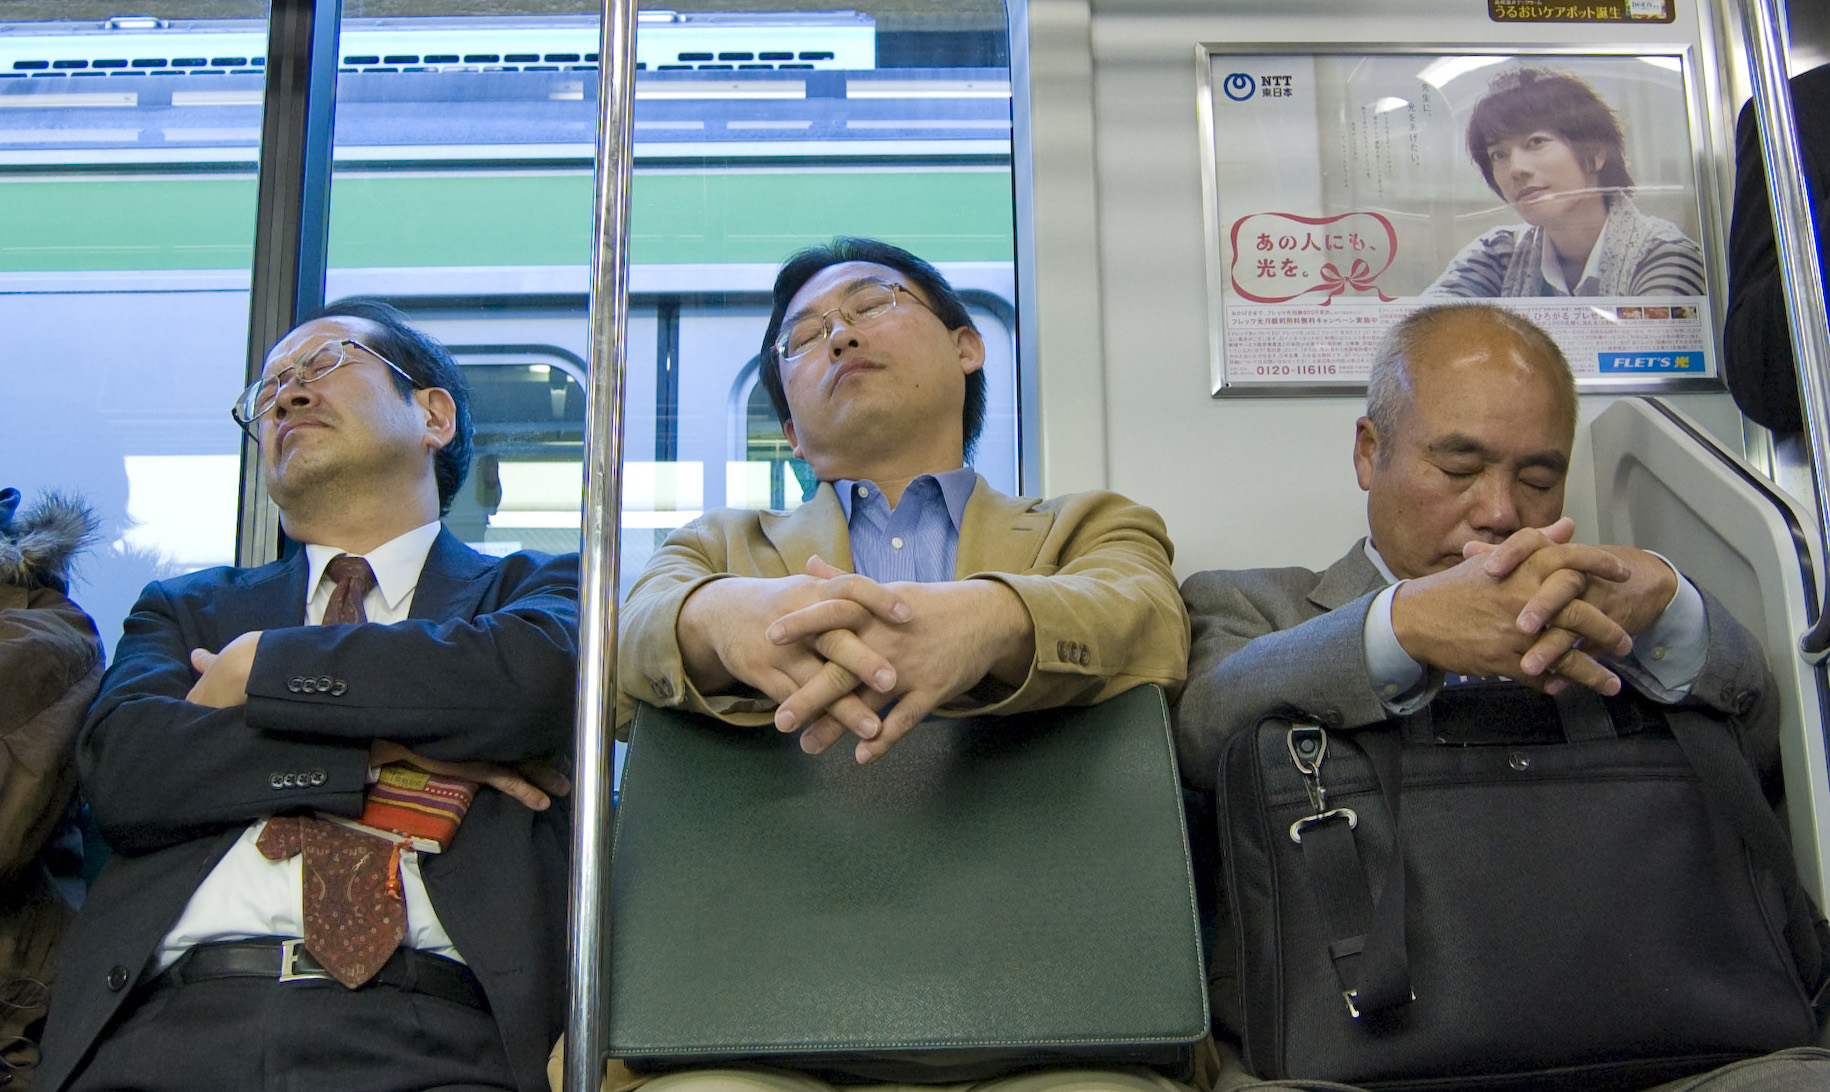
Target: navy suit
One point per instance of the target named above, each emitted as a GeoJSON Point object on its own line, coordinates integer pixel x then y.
{"type": "Point", "coordinates": [483, 670]}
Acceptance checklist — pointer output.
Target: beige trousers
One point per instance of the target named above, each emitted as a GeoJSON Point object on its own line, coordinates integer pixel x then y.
{"type": "Point", "coordinates": [758, 1079]}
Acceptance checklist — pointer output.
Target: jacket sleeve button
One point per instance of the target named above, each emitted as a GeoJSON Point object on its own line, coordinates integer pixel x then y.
{"type": "Point", "coordinates": [278, 781]}
{"type": "Point", "coordinates": [338, 688]}
{"type": "Point", "coordinates": [118, 978]}
{"type": "Point", "coordinates": [318, 777]}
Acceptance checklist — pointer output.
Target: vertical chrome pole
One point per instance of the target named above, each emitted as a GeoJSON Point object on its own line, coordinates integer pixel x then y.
{"type": "Point", "coordinates": [584, 1059]}
{"type": "Point", "coordinates": [1795, 236]}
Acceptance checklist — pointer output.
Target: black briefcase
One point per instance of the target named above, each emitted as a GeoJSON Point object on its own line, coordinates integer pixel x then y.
{"type": "Point", "coordinates": [994, 894]}
{"type": "Point", "coordinates": [1510, 895]}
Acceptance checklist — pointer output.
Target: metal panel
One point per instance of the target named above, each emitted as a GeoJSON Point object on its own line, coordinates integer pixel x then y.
{"type": "Point", "coordinates": [292, 212]}
{"type": "Point", "coordinates": [598, 578]}
{"type": "Point", "coordinates": [1662, 485]}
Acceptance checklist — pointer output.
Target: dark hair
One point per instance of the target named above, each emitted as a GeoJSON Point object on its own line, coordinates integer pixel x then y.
{"type": "Point", "coordinates": [1524, 100]}
{"type": "Point", "coordinates": [422, 357]}
{"type": "Point", "coordinates": [945, 302]}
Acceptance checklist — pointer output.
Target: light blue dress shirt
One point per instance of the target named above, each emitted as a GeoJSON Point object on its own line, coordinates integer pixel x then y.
{"type": "Point", "coordinates": [917, 540]}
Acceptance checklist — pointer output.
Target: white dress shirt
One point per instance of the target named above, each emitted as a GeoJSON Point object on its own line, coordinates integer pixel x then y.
{"type": "Point", "coordinates": [1666, 659]}
{"type": "Point", "coordinates": [247, 895]}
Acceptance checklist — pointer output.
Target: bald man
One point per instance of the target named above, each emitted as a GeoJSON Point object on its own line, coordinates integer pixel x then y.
{"type": "Point", "coordinates": [1469, 570]}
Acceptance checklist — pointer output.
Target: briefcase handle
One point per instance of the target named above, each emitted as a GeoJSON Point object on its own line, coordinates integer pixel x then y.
{"type": "Point", "coordinates": [1369, 952]}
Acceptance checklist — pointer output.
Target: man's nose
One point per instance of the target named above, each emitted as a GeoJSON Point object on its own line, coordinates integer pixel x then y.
{"type": "Point", "coordinates": [1493, 507]}
{"type": "Point", "coordinates": [840, 339]}
{"type": "Point", "coordinates": [292, 392]}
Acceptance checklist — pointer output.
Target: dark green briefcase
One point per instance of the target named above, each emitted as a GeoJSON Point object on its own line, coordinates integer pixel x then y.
{"type": "Point", "coordinates": [994, 894]}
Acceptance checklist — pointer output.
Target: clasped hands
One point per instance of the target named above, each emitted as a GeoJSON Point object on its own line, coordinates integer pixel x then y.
{"type": "Point", "coordinates": [841, 653]}
{"type": "Point", "coordinates": [1535, 608]}
{"type": "Point", "coordinates": [223, 683]}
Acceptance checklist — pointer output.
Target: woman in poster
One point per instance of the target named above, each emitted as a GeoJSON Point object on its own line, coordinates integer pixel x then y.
{"type": "Point", "coordinates": [1551, 149]}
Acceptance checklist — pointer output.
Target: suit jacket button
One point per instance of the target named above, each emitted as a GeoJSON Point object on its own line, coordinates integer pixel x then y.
{"type": "Point", "coordinates": [338, 688]}
{"type": "Point", "coordinates": [318, 777]}
{"type": "Point", "coordinates": [118, 978]}
{"type": "Point", "coordinates": [1061, 651]}
{"type": "Point", "coordinates": [323, 684]}
{"type": "Point", "coordinates": [295, 684]}
{"type": "Point", "coordinates": [278, 781]}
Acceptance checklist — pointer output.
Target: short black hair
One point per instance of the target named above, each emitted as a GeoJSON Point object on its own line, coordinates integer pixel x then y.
{"type": "Point", "coordinates": [421, 356]}
{"type": "Point", "coordinates": [942, 299]}
{"type": "Point", "coordinates": [1524, 100]}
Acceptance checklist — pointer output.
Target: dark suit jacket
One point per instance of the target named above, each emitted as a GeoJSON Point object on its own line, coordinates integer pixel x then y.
{"type": "Point", "coordinates": [483, 670]}
{"type": "Point", "coordinates": [1756, 336]}
{"type": "Point", "coordinates": [1281, 640]}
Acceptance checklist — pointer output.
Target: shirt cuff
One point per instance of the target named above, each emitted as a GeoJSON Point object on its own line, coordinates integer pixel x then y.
{"type": "Point", "coordinates": [1401, 684]}
{"type": "Point", "coordinates": [1670, 653]}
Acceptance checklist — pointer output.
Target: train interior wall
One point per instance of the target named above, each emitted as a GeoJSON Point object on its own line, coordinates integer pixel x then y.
{"type": "Point", "coordinates": [1117, 223]}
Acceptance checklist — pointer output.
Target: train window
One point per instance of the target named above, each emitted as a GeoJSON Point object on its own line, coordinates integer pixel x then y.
{"type": "Point", "coordinates": [467, 201]}
{"type": "Point", "coordinates": [126, 239]}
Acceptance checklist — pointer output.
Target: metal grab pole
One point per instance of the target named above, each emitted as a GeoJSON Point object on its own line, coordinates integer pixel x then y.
{"type": "Point", "coordinates": [1795, 235]}
{"type": "Point", "coordinates": [601, 554]}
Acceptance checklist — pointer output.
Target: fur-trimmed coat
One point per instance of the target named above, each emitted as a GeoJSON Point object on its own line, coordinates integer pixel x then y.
{"type": "Point", "coordinates": [50, 667]}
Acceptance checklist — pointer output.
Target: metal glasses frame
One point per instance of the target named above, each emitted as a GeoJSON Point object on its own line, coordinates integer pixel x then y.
{"type": "Point", "coordinates": [246, 411]}
{"type": "Point", "coordinates": [844, 312]}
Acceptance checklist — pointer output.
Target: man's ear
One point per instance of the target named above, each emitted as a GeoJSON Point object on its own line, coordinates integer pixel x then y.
{"type": "Point", "coordinates": [793, 442]}
{"type": "Point", "coordinates": [441, 415]}
{"type": "Point", "coordinates": [971, 349]}
{"type": "Point", "coordinates": [1365, 450]}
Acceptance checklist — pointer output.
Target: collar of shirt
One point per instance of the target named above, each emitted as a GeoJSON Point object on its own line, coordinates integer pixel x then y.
{"type": "Point", "coordinates": [955, 488]}
{"type": "Point", "coordinates": [396, 564]}
{"type": "Point", "coordinates": [1372, 555]}
{"type": "Point", "coordinates": [1552, 272]}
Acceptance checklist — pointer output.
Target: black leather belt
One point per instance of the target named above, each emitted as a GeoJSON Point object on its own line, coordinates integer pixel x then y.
{"type": "Point", "coordinates": [282, 960]}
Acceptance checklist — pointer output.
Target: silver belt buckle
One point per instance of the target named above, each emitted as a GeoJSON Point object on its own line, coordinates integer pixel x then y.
{"type": "Point", "coordinates": [289, 956]}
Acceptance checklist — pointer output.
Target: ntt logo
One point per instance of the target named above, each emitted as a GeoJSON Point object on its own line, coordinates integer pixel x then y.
{"type": "Point", "coordinates": [1239, 86]}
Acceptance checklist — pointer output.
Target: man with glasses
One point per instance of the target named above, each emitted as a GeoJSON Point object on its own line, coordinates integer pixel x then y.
{"type": "Point", "coordinates": [906, 578]}
{"type": "Point", "coordinates": [906, 584]}
{"type": "Point", "coordinates": [327, 781]}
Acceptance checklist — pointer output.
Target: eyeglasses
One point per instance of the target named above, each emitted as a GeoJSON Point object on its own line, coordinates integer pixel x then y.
{"type": "Point", "coordinates": [864, 304]}
{"type": "Point", "coordinates": [308, 367]}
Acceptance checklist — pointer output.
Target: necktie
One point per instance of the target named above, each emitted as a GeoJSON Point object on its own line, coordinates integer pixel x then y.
{"type": "Point", "coordinates": [354, 580]}
{"type": "Point", "coordinates": [353, 911]}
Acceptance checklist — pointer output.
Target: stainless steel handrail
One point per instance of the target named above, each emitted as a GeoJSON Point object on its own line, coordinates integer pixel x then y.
{"type": "Point", "coordinates": [601, 557]}
{"type": "Point", "coordinates": [1795, 235]}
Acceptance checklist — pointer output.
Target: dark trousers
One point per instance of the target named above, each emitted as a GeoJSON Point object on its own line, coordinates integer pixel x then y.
{"type": "Point", "coordinates": [254, 1035]}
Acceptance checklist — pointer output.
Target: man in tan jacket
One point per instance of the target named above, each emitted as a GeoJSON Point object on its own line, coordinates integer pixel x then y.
{"type": "Point", "coordinates": [906, 578]}
{"type": "Point", "coordinates": [906, 585]}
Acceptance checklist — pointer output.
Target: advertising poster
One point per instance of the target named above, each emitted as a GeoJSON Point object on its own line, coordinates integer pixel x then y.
{"type": "Point", "coordinates": [1347, 190]}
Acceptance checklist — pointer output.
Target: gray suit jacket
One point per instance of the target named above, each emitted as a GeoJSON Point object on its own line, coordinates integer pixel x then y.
{"type": "Point", "coordinates": [1290, 640]}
